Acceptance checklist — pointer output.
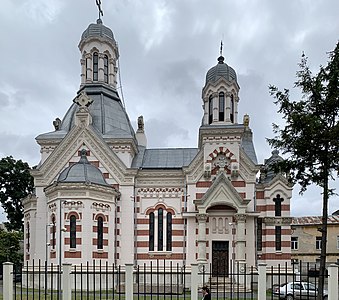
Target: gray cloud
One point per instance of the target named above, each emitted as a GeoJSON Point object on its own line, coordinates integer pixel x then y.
{"type": "Point", "coordinates": [166, 48]}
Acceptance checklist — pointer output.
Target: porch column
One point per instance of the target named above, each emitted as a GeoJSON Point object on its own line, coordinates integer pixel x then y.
{"type": "Point", "coordinates": [240, 240]}
{"type": "Point", "coordinates": [202, 238]}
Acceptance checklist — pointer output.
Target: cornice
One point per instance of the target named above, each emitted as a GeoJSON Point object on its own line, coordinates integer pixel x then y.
{"type": "Point", "coordinates": [278, 221]}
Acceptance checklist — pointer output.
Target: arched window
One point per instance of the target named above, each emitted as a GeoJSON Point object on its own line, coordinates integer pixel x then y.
{"type": "Point", "coordinates": [151, 232]}
{"type": "Point", "coordinates": [232, 109]}
{"type": "Point", "coordinates": [53, 232]}
{"type": "Point", "coordinates": [277, 201]}
{"type": "Point", "coordinates": [169, 232]}
{"type": "Point", "coordinates": [160, 229]}
{"type": "Point", "coordinates": [73, 230]}
{"type": "Point", "coordinates": [106, 69]}
{"type": "Point", "coordinates": [221, 106]}
{"type": "Point", "coordinates": [210, 110]}
{"type": "Point", "coordinates": [100, 233]}
{"type": "Point", "coordinates": [28, 236]}
{"type": "Point", "coordinates": [95, 66]}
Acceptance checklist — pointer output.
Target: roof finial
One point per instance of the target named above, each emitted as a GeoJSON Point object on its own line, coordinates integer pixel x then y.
{"type": "Point", "coordinates": [99, 8]}
{"type": "Point", "coordinates": [221, 44]}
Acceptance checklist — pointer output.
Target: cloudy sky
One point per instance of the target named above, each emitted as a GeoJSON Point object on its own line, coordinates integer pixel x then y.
{"type": "Point", "coordinates": [166, 47]}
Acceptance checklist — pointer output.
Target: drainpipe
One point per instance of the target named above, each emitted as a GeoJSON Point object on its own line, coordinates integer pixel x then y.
{"type": "Point", "coordinates": [135, 261]}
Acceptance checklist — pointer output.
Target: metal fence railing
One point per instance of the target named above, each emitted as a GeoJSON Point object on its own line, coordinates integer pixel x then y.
{"type": "Point", "coordinates": [160, 279]}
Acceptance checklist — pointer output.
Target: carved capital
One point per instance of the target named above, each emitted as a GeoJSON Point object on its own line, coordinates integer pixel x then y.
{"type": "Point", "coordinates": [201, 217]}
{"type": "Point", "coordinates": [240, 217]}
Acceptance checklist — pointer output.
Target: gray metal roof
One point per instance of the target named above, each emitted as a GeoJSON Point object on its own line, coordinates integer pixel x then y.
{"type": "Point", "coordinates": [82, 172]}
{"type": "Point", "coordinates": [98, 29]}
{"type": "Point", "coordinates": [220, 70]}
{"type": "Point", "coordinates": [168, 158]}
{"type": "Point", "coordinates": [247, 145]}
{"type": "Point", "coordinates": [108, 115]}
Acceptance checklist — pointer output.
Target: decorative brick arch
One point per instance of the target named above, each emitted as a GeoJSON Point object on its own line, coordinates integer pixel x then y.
{"type": "Point", "coordinates": [221, 150]}
{"type": "Point", "coordinates": [104, 218]}
{"type": "Point", "coordinates": [153, 209]}
{"type": "Point", "coordinates": [73, 213]}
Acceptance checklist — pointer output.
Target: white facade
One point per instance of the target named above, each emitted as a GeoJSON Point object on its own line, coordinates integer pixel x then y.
{"type": "Point", "coordinates": [183, 206]}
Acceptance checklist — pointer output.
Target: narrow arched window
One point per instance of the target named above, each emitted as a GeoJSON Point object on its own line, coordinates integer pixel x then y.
{"type": "Point", "coordinates": [100, 233]}
{"type": "Point", "coordinates": [95, 66]}
{"type": "Point", "coordinates": [232, 109]}
{"type": "Point", "coordinates": [160, 229]}
{"type": "Point", "coordinates": [210, 109]}
{"type": "Point", "coordinates": [169, 232]}
{"type": "Point", "coordinates": [106, 69]}
{"type": "Point", "coordinates": [151, 232]}
{"type": "Point", "coordinates": [221, 106]}
{"type": "Point", "coordinates": [53, 232]}
{"type": "Point", "coordinates": [277, 207]}
{"type": "Point", "coordinates": [28, 236]}
{"type": "Point", "coordinates": [73, 230]}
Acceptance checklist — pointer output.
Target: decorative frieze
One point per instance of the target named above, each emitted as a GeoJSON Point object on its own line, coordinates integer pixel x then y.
{"type": "Point", "coordinates": [160, 192]}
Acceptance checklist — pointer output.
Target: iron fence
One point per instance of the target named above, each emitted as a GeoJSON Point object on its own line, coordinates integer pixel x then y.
{"type": "Point", "coordinates": [160, 279]}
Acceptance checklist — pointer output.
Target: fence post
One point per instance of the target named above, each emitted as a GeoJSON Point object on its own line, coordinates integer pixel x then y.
{"type": "Point", "coordinates": [262, 281]}
{"type": "Point", "coordinates": [333, 282]}
{"type": "Point", "coordinates": [194, 281]}
{"type": "Point", "coordinates": [129, 282]}
{"type": "Point", "coordinates": [66, 281]}
{"type": "Point", "coordinates": [8, 280]}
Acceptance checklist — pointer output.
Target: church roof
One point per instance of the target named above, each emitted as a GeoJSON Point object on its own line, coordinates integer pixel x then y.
{"type": "Point", "coordinates": [109, 117]}
{"type": "Point", "coordinates": [167, 158]}
{"type": "Point", "coordinates": [97, 30]}
{"type": "Point", "coordinates": [82, 172]}
{"type": "Point", "coordinates": [221, 70]}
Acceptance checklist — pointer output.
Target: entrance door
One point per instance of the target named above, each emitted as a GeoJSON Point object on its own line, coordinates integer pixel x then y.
{"type": "Point", "coordinates": [219, 258]}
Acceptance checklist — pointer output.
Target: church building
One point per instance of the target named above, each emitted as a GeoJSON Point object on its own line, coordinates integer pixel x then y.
{"type": "Point", "coordinates": [102, 194]}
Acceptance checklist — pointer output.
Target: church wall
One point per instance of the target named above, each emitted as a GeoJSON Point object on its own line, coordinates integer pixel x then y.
{"type": "Point", "coordinates": [125, 227]}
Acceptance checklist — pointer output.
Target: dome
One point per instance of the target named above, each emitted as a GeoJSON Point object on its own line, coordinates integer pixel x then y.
{"type": "Point", "coordinates": [220, 70]}
{"type": "Point", "coordinates": [97, 30]}
{"type": "Point", "coordinates": [82, 172]}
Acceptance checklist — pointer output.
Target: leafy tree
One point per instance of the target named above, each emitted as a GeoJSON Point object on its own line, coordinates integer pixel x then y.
{"type": "Point", "coordinates": [10, 249]}
{"type": "Point", "coordinates": [15, 183]}
{"type": "Point", "coordinates": [310, 135]}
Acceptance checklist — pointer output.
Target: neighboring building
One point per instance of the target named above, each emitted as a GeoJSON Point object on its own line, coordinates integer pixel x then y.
{"type": "Point", "coordinates": [111, 198]}
{"type": "Point", "coordinates": [306, 240]}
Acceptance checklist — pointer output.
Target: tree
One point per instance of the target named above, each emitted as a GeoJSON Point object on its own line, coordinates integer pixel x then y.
{"type": "Point", "coordinates": [10, 247]}
{"type": "Point", "coordinates": [15, 183]}
{"type": "Point", "coordinates": [309, 138]}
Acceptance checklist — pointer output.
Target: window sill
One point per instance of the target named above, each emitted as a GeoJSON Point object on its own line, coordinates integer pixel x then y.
{"type": "Point", "coordinates": [167, 254]}
{"type": "Point", "coordinates": [72, 250]}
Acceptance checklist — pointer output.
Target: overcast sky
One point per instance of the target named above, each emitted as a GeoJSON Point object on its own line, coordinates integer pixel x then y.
{"type": "Point", "coordinates": [166, 48]}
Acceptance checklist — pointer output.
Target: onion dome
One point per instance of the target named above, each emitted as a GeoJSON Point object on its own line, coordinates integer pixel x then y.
{"type": "Point", "coordinates": [82, 172]}
{"type": "Point", "coordinates": [97, 30]}
{"type": "Point", "coordinates": [221, 70]}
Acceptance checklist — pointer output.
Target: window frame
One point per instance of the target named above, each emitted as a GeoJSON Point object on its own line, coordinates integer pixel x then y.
{"type": "Point", "coordinates": [294, 243]}
{"type": "Point", "coordinates": [106, 69]}
{"type": "Point", "coordinates": [221, 106]}
{"type": "Point", "coordinates": [72, 231]}
{"type": "Point", "coordinates": [277, 238]}
{"type": "Point", "coordinates": [95, 66]}
{"type": "Point", "coordinates": [100, 233]}
{"type": "Point", "coordinates": [210, 109]}
{"type": "Point", "coordinates": [318, 243]}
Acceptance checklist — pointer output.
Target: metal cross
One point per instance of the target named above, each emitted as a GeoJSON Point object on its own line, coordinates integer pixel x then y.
{"type": "Point", "coordinates": [99, 8]}
{"type": "Point", "coordinates": [221, 44]}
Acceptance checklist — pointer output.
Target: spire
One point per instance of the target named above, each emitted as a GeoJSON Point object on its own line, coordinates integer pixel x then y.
{"type": "Point", "coordinates": [221, 58]}
{"type": "Point", "coordinates": [101, 13]}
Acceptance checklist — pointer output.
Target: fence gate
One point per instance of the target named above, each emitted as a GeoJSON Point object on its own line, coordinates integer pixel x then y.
{"type": "Point", "coordinates": [220, 258]}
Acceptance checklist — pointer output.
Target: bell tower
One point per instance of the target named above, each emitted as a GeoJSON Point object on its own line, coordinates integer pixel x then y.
{"type": "Point", "coordinates": [99, 55]}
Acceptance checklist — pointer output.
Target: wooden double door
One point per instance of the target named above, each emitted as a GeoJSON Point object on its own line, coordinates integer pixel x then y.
{"type": "Point", "coordinates": [220, 258]}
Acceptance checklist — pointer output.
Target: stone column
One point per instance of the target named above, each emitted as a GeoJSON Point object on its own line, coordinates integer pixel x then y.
{"type": "Point", "coordinates": [89, 67]}
{"type": "Point", "coordinates": [112, 72]}
{"type": "Point", "coordinates": [202, 238]}
{"type": "Point", "coordinates": [228, 107]}
{"type": "Point", "coordinates": [83, 70]}
{"type": "Point", "coordinates": [215, 107]}
{"type": "Point", "coordinates": [236, 101]}
{"type": "Point", "coordinates": [240, 240]}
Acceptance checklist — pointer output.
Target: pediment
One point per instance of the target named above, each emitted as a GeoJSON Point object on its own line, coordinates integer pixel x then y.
{"type": "Point", "coordinates": [72, 142]}
{"type": "Point", "coordinates": [221, 192]}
